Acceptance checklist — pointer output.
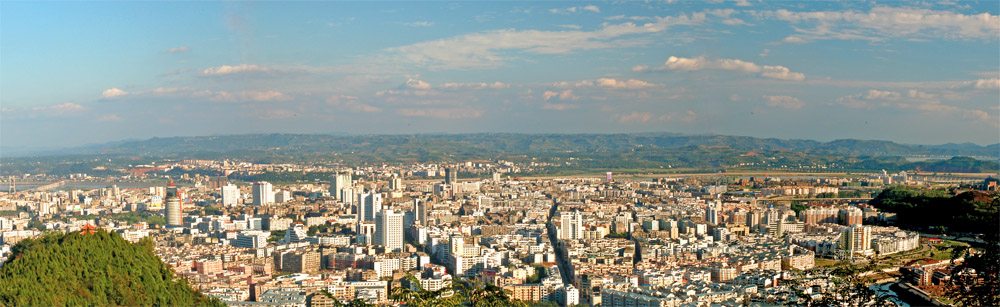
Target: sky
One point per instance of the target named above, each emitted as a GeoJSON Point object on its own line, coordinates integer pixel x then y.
{"type": "Point", "coordinates": [75, 73]}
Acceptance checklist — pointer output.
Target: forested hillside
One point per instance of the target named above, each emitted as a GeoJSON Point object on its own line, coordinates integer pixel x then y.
{"type": "Point", "coordinates": [99, 269]}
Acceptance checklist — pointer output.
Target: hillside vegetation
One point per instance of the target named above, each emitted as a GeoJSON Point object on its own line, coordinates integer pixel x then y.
{"type": "Point", "coordinates": [972, 211]}
{"type": "Point", "coordinates": [100, 269]}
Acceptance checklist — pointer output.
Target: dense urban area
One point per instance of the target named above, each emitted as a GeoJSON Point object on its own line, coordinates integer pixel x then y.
{"type": "Point", "coordinates": [368, 234]}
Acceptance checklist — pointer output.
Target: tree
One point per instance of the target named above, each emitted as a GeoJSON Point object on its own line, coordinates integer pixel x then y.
{"type": "Point", "coordinates": [444, 297]}
{"type": "Point", "coordinates": [353, 303]}
{"type": "Point", "coordinates": [976, 282]}
{"type": "Point", "coordinates": [490, 296]}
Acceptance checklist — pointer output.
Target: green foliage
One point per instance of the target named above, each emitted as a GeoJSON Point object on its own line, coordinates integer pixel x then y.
{"type": "Point", "coordinates": [972, 211]}
{"type": "Point", "coordinates": [100, 269]}
{"type": "Point", "coordinates": [276, 235]}
{"type": "Point", "coordinates": [209, 210]}
{"type": "Point", "coordinates": [798, 206]}
{"type": "Point", "coordinates": [983, 287]}
{"type": "Point", "coordinates": [540, 273]}
{"type": "Point", "coordinates": [314, 229]}
{"type": "Point", "coordinates": [826, 195]}
{"type": "Point", "coordinates": [619, 235]}
{"type": "Point", "coordinates": [444, 297]}
{"type": "Point", "coordinates": [136, 217]}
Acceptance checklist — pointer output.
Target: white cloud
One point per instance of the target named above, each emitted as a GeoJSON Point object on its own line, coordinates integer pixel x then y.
{"type": "Point", "coordinates": [483, 50]}
{"type": "Point", "coordinates": [178, 49]}
{"type": "Point", "coordinates": [559, 106]}
{"type": "Point", "coordinates": [734, 22]}
{"type": "Point", "coordinates": [416, 84]}
{"type": "Point", "coordinates": [987, 83]}
{"type": "Point", "coordinates": [591, 8]}
{"type": "Point", "coordinates": [742, 3]}
{"type": "Point", "coordinates": [701, 63]}
{"type": "Point", "coordinates": [608, 83]}
{"type": "Point", "coordinates": [244, 96]}
{"type": "Point", "coordinates": [781, 101]}
{"type": "Point", "coordinates": [449, 113]}
{"type": "Point", "coordinates": [351, 103]}
{"type": "Point", "coordinates": [238, 69]}
{"type": "Point", "coordinates": [886, 22]}
{"type": "Point", "coordinates": [109, 118]}
{"type": "Point", "coordinates": [634, 117]}
{"type": "Point", "coordinates": [62, 108]}
{"type": "Point", "coordinates": [574, 27]}
{"type": "Point", "coordinates": [564, 95]}
{"type": "Point", "coordinates": [792, 39]}
{"type": "Point", "coordinates": [419, 24]}
{"type": "Point", "coordinates": [475, 86]}
{"type": "Point", "coordinates": [112, 93]}
{"type": "Point", "coordinates": [683, 117]}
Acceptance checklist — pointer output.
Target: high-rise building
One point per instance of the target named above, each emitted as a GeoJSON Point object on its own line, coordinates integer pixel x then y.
{"type": "Point", "coordinates": [296, 233]}
{"type": "Point", "coordinates": [230, 195]}
{"type": "Point", "coordinates": [753, 218]}
{"type": "Point", "coordinates": [420, 206]}
{"type": "Point", "coordinates": [712, 214]}
{"type": "Point", "coordinates": [851, 216]}
{"type": "Point", "coordinates": [571, 226]}
{"type": "Point", "coordinates": [819, 215]}
{"type": "Point", "coordinates": [262, 193]}
{"type": "Point", "coordinates": [338, 183]}
{"type": "Point", "coordinates": [856, 239]}
{"type": "Point", "coordinates": [282, 196]}
{"type": "Point", "coordinates": [395, 183]}
{"type": "Point", "coordinates": [450, 176]}
{"type": "Point", "coordinates": [389, 230]}
{"type": "Point", "coordinates": [369, 204]}
{"type": "Point", "coordinates": [174, 211]}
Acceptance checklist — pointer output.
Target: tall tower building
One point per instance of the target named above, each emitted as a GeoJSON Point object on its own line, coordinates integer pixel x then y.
{"type": "Point", "coordinates": [338, 183]}
{"type": "Point", "coordinates": [851, 216]}
{"type": "Point", "coordinates": [389, 230]}
{"type": "Point", "coordinates": [450, 176]}
{"type": "Point", "coordinates": [262, 193]}
{"type": "Point", "coordinates": [173, 200]}
{"type": "Point", "coordinates": [420, 206]}
{"type": "Point", "coordinates": [230, 195]}
{"type": "Point", "coordinates": [856, 239]}
{"type": "Point", "coordinates": [571, 225]}
{"type": "Point", "coordinates": [712, 214]}
{"type": "Point", "coordinates": [395, 183]}
{"type": "Point", "coordinates": [369, 204]}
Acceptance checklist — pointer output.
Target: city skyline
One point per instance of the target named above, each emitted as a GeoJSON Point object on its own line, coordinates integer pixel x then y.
{"type": "Point", "coordinates": [85, 73]}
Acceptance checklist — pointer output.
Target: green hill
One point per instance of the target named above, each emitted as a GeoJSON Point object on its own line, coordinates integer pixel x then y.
{"type": "Point", "coordinates": [100, 269]}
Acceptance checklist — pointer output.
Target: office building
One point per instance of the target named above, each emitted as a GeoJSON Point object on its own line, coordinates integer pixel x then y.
{"type": "Point", "coordinates": [262, 193]}
{"type": "Point", "coordinates": [389, 230]}
{"type": "Point", "coordinates": [369, 204]}
{"type": "Point", "coordinates": [230, 195]}
{"type": "Point", "coordinates": [856, 240]}
{"type": "Point", "coordinates": [571, 225]}
{"type": "Point", "coordinates": [174, 211]}
{"type": "Point", "coordinates": [338, 183]}
{"type": "Point", "coordinates": [450, 176]}
{"type": "Point", "coordinates": [420, 206]}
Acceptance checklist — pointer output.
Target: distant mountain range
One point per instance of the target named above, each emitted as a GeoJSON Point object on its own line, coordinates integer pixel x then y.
{"type": "Point", "coordinates": [492, 144]}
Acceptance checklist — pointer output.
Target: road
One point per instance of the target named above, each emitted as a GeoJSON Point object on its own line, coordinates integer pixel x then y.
{"type": "Point", "coordinates": [565, 269]}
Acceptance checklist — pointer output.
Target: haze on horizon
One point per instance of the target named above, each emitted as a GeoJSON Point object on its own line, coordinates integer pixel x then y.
{"type": "Point", "coordinates": [93, 72]}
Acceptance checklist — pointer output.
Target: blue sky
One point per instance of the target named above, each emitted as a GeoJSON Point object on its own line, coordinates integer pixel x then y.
{"type": "Point", "coordinates": [75, 73]}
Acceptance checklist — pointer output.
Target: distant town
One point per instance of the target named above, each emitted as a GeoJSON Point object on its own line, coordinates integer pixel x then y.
{"type": "Point", "coordinates": [669, 240]}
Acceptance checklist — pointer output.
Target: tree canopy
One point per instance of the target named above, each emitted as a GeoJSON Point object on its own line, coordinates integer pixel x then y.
{"type": "Point", "coordinates": [101, 269]}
